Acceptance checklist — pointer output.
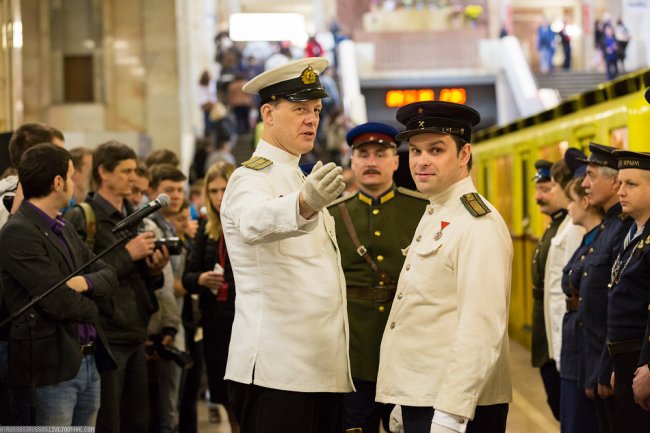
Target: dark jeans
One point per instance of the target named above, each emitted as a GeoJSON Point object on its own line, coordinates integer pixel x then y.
{"type": "Point", "coordinates": [487, 419]}
{"type": "Point", "coordinates": [74, 402]}
{"type": "Point", "coordinates": [578, 414]}
{"type": "Point", "coordinates": [5, 418]}
{"type": "Point", "coordinates": [361, 409]}
{"type": "Point", "coordinates": [551, 379]}
{"type": "Point", "coordinates": [266, 410]}
{"type": "Point", "coordinates": [216, 341]}
{"type": "Point", "coordinates": [125, 397]}
{"type": "Point", "coordinates": [629, 417]}
{"type": "Point", "coordinates": [187, 416]}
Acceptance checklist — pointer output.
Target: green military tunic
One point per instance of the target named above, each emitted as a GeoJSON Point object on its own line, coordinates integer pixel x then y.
{"type": "Point", "coordinates": [384, 226]}
{"type": "Point", "coordinates": [540, 354]}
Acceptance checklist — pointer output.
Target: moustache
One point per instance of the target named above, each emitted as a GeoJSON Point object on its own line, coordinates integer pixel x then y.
{"type": "Point", "coordinates": [371, 172]}
{"type": "Point", "coordinates": [541, 202]}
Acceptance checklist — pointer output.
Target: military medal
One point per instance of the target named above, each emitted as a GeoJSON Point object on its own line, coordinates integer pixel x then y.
{"type": "Point", "coordinates": [438, 235]}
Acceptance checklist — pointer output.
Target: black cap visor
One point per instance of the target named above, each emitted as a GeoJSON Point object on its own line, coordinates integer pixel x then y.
{"type": "Point", "coordinates": [405, 135]}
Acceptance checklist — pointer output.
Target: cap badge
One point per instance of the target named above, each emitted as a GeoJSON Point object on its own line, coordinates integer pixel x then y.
{"type": "Point", "coordinates": [308, 76]}
{"type": "Point", "coordinates": [420, 123]}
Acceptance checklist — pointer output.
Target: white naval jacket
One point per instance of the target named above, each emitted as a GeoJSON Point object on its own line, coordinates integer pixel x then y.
{"type": "Point", "coordinates": [291, 328]}
{"type": "Point", "coordinates": [566, 241]}
{"type": "Point", "coordinates": [446, 340]}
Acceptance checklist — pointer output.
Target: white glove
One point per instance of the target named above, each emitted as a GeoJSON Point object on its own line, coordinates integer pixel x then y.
{"type": "Point", "coordinates": [323, 185]}
{"type": "Point", "coordinates": [396, 425]}
{"type": "Point", "coordinates": [437, 428]}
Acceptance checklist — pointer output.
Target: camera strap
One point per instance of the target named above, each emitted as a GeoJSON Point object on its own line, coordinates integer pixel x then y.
{"type": "Point", "coordinates": [361, 250]}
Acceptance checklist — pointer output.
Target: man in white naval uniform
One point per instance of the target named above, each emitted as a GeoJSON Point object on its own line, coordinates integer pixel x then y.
{"type": "Point", "coordinates": [444, 353]}
{"type": "Point", "coordinates": [288, 362]}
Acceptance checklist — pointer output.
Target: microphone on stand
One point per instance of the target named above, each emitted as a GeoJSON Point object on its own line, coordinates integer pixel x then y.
{"type": "Point", "coordinates": [134, 219]}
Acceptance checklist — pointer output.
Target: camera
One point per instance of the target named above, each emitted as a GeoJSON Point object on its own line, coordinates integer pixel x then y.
{"type": "Point", "coordinates": [174, 245]}
{"type": "Point", "coordinates": [169, 353]}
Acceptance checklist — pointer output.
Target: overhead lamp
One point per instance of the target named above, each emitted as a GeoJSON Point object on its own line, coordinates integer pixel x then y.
{"type": "Point", "coordinates": [268, 27]}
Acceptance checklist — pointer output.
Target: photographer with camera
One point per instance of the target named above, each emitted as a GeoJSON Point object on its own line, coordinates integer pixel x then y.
{"type": "Point", "coordinates": [124, 396]}
{"type": "Point", "coordinates": [382, 218]}
{"type": "Point", "coordinates": [167, 327]}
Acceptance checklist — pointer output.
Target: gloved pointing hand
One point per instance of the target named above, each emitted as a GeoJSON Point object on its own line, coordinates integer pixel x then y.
{"type": "Point", "coordinates": [323, 185]}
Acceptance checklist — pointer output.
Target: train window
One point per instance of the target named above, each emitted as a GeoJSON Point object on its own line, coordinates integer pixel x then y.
{"type": "Point", "coordinates": [552, 152]}
{"type": "Point", "coordinates": [502, 197]}
{"type": "Point", "coordinates": [525, 185]}
{"type": "Point", "coordinates": [618, 137]}
{"type": "Point", "coordinates": [486, 183]}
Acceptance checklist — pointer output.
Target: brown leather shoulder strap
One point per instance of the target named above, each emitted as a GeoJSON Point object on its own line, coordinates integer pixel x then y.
{"type": "Point", "coordinates": [361, 250]}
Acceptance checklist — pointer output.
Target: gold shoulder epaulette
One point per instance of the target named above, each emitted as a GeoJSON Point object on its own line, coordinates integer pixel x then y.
{"type": "Point", "coordinates": [475, 204]}
{"type": "Point", "coordinates": [411, 193]}
{"type": "Point", "coordinates": [342, 199]}
{"type": "Point", "coordinates": [257, 163]}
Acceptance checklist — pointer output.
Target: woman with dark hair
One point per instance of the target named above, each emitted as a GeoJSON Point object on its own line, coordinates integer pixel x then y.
{"type": "Point", "coordinates": [208, 273]}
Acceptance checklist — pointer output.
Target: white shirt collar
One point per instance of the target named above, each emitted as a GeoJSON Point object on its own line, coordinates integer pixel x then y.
{"type": "Point", "coordinates": [275, 154]}
{"type": "Point", "coordinates": [459, 188]}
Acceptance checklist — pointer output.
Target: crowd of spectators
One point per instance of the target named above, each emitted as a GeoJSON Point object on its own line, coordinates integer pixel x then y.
{"type": "Point", "coordinates": [173, 301]}
{"type": "Point", "coordinates": [231, 115]}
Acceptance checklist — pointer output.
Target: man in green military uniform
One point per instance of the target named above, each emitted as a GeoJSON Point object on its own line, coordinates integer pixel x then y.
{"type": "Point", "coordinates": [372, 226]}
{"type": "Point", "coordinates": [546, 200]}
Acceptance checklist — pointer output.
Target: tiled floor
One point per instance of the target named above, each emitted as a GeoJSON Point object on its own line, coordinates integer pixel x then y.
{"type": "Point", "coordinates": [529, 412]}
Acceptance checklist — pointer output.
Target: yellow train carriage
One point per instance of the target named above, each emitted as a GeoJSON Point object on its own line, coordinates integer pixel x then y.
{"type": "Point", "coordinates": [615, 114]}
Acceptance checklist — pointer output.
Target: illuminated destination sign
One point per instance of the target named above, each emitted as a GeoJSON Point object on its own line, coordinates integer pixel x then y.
{"type": "Point", "coordinates": [398, 98]}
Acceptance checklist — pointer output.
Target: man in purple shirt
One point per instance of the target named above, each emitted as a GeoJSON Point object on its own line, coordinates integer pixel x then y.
{"type": "Point", "coordinates": [58, 345]}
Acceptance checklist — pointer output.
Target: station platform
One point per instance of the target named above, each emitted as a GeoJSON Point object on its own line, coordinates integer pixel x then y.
{"type": "Point", "coordinates": [528, 413]}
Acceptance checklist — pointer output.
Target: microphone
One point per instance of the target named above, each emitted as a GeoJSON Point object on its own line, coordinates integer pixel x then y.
{"type": "Point", "coordinates": [134, 219]}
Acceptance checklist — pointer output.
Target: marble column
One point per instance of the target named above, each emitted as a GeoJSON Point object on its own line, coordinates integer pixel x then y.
{"type": "Point", "coordinates": [11, 45]}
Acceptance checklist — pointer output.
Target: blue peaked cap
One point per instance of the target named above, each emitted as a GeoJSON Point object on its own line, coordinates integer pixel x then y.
{"type": "Point", "coordinates": [372, 132]}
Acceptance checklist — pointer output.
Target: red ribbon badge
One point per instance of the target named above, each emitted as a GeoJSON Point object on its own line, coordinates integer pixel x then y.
{"type": "Point", "coordinates": [438, 235]}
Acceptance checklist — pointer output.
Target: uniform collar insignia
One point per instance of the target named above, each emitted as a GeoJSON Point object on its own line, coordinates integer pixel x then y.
{"type": "Point", "coordinates": [559, 214]}
{"type": "Point", "coordinates": [382, 199]}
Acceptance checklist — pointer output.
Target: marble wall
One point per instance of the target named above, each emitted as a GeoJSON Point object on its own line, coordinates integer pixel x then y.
{"type": "Point", "coordinates": [136, 70]}
{"type": "Point", "coordinates": [11, 37]}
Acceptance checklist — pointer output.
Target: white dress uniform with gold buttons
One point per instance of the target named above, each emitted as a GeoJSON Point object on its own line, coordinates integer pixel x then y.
{"type": "Point", "coordinates": [291, 329]}
{"type": "Point", "coordinates": [454, 292]}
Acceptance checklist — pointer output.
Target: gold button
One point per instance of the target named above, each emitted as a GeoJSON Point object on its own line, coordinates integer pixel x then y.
{"type": "Point", "coordinates": [419, 238]}
{"type": "Point", "coordinates": [380, 258]}
{"type": "Point", "coordinates": [400, 296]}
{"type": "Point", "coordinates": [584, 274]}
{"type": "Point", "coordinates": [381, 283]}
{"type": "Point", "coordinates": [392, 325]}
{"type": "Point", "coordinates": [591, 250]}
{"type": "Point", "coordinates": [582, 257]}
{"type": "Point", "coordinates": [381, 308]}
{"type": "Point", "coordinates": [375, 211]}
{"type": "Point", "coordinates": [431, 211]}
{"type": "Point", "coordinates": [408, 267]}
{"type": "Point", "coordinates": [462, 421]}
{"type": "Point", "coordinates": [377, 233]}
